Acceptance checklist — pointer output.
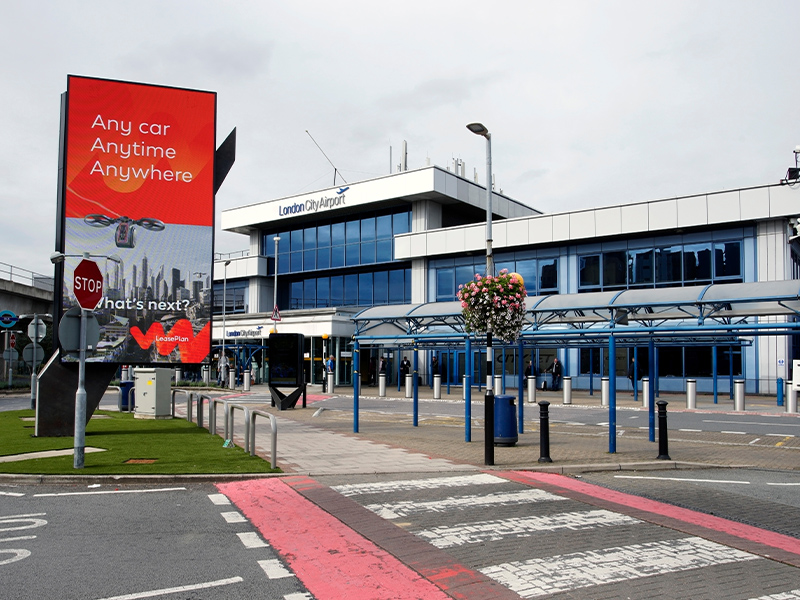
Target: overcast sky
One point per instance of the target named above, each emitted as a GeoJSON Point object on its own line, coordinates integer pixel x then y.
{"type": "Point", "coordinates": [589, 103]}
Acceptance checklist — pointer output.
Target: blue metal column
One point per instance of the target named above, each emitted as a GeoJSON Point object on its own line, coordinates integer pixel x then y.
{"type": "Point", "coordinates": [520, 389]}
{"type": "Point", "coordinates": [651, 368]}
{"type": "Point", "coordinates": [397, 362]}
{"type": "Point", "coordinates": [415, 366]}
{"type": "Point", "coordinates": [635, 373]}
{"type": "Point", "coordinates": [468, 392]}
{"type": "Point", "coordinates": [730, 368]}
{"type": "Point", "coordinates": [652, 384]}
{"type": "Point", "coordinates": [591, 371]}
{"type": "Point", "coordinates": [612, 394]}
{"type": "Point", "coordinates": [355, 386]}
{"type": "Point", "coordinates": [714, 370]}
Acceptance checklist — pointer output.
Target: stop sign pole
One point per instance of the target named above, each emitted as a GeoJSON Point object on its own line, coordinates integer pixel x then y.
{"type": "Point", "coordinates": [87, 286]}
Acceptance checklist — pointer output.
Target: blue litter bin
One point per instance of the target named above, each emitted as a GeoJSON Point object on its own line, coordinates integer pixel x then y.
{"type": "Point", "coordinates": [126, 401]}
{"type": "Point", "coordinates": [505, 421]}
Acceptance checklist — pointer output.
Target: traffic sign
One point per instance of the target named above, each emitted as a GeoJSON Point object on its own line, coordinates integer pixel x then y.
{"type": "Point", "coordinates": [37, 330]}
{"type": "Point", "coordinates": [69, 331]}
{"type": "Point", "coordinates": [12, 341]}
{"type": "Point", "coordinates": [7, 318]}
{"type": "Point", "coordinates": [87, 284]}
{"type": "Point", "coordinates": [276, 315]}
{"type": "Point", "coordinates": [31, 352]}
{"type": "Point", "coordinates": [10, 354]}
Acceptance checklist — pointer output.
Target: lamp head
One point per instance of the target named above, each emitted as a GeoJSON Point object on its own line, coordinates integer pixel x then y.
{"type": "Point", "coordinates": [478, 129]}
{"type": "Point", "coordinates": [57, 257]}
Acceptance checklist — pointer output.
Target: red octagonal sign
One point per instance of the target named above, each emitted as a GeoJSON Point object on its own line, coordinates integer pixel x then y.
{"type": "Point", "coordinates": [88, 284]}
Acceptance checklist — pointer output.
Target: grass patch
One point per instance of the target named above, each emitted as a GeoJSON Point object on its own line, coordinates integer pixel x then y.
{"type": "Point", "coordinates": [170, 447]}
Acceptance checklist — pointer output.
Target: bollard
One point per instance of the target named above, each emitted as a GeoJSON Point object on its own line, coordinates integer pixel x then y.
{"type": "Point", "coordinates": [124, 374]}
{"type": "Point", "coordinates": [691, 393]}
{"type": "Point", "coordinates": [382, 385]}
{"type": "Point", "coordinates": [437, 387]}
{"type": "Point", "coordinates": [604, 391]}
{"type": "Point", "coordinates": [232, 379]}
{"type": "Point", "coordinates": [779, 384]}
{"type": "Point", "coordinates": [566, 389]}
{"type": "Point", "coordinates": [206, 375]}
{"type": "Point", "coordinates": [177, 376]}
{"type": "Point", "coordinates": [738, 395]}
{"type": "Point", "coordinates": [791, 398]}
{"type": "Point", "coordinates": [645, 392]}
{"type": "Point", "coordinates": [330, 382]}
{"type": "Point", "coordinates": [663, 450]}
{"type": "Point", "coordinates": [409, 386]}
{"type": "Point", "coordinates": [531, 389]}
{"type": "Point", "coordinates": [544, 432]}
{"type": "Point", "coordinates": [246, 382]}
{"type": "Point", "coordinates": [498, 385]}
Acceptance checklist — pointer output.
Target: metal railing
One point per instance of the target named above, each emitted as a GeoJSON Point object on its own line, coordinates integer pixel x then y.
{"type": "Point", "coordinates": [229, 422]}
{"type": "Point", "coordinates": [26, 277]}
{"type": "Point", "coordinates": [251, 443]}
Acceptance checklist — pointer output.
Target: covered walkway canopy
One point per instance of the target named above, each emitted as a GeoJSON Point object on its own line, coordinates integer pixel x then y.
{"type": "Point", "coordinates": [711, 308]}
{"type": "Point", "coordinates": [710, 314]}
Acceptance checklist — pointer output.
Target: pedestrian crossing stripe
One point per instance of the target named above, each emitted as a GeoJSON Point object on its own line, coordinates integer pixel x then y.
{"type": "Point", "coordinates": [567, 572]}
{"type": "Point", "coordinates": [386, 487]}
{"type": "Point", "coordinates": [395, 510]}
{"type": "Point", "coordinates": [494, 531]}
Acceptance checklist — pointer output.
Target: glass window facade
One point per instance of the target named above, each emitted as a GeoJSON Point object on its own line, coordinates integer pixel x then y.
{"type": "Point", "coordinates": [347, 243]}
{"type": "Point", "coordinates": [683, 264]}
{"type": "Point", "coordinates": [540, 274]}
{"type": "Point", "coordinates": [390, 286]}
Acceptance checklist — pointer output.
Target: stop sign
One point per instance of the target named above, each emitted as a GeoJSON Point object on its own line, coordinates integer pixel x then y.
{"type": "Point", "coordinates": [13, 340]}
{"type": "Point", "coordinates": [88, 284]}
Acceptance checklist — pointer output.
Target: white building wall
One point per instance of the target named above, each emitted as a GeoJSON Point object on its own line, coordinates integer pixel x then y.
{"type": "Point", "coordinates": [772, 256]}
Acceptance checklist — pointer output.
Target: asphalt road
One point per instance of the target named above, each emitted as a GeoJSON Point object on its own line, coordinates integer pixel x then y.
{"type": "Point", "coordinates": [102, 542]}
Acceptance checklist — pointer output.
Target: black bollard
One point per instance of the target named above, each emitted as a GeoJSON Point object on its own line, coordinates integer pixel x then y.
{"type": "Point", "coordinates": [544, 432]}
{"type": "Point", "coordinates": [488, 419]}
{"type": "Point", "coordinates": [663, 449]}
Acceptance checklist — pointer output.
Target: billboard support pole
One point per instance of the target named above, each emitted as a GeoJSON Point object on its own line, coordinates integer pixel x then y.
{"type": "Point", "coordinates": [80, 400]}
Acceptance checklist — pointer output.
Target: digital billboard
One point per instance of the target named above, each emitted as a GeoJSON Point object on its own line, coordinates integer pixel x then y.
{"type": "Point", "coordinates": [138, 187]}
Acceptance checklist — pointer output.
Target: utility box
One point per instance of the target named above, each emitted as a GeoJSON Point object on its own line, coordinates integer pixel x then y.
{"type": "Point", "coordinates": [153, 393]}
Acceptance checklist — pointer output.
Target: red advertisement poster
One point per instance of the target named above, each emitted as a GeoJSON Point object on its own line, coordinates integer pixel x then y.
{"type": "Point", "coordinates": [139, 195]}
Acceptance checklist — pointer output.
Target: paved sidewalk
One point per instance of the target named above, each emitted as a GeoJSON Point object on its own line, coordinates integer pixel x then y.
{"type": "Point", "coordinates": [317, 442]}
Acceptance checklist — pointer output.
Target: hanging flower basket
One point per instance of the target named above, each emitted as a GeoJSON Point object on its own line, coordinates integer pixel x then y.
{"type": "Point", "coordinates": [499, 301]}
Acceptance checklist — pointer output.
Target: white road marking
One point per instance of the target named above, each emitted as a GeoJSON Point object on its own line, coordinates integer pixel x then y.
{"type": "Point", "coordinates": [692, 430]}
{"type": "Point", "coordinates": [754, 441]}
{"type": "Point", "coordinates": [175, 489]}
{"type": "Point", "coordinates": [783, 483]}
{"type": "Point", "coordinates": [783, 435]}
{"type": "Point", "coordinates": [15, 494]}
{"type": "Point", "coordinates": [299, 596]}
{"type": "Point", "coordinates": [394, 510]}
{"type": "Point", "coordinates": [418, 484]}
{"type": "Point", "coordinates": [233, 517]}
{"type": "Point", "coordinates": [274, 569]}
{"type": "Point", "coordinates": [753, 423]}
{"type": "Point", "coordinates": [176, 590]}
{"type": "Point", "coordinates": [252, 540]}
{"type": "Point", "coordinates": [681, 479]}
{"type": "Point", "coordinates": [219, 499]}
{"type": "Point", "coordinates": [31, 522]}
{"type": "Point", "coordinates": [18, 553]}
{"type": "Point", "coordinates": [793, 595]}
{"type": "Point", "coordinates": [542, 576]}
{"type": "Point", "coordinates": [490, 531]}
{"type": "Point", "coordinates": [736, 432]}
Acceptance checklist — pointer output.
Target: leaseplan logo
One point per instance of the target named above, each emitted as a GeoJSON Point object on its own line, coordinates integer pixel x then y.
{"type": "Point", "coordinates": [313, 205]}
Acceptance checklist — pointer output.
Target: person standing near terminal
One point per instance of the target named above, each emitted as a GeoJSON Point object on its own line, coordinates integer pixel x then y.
{"type": "Point", "coordinates": [556, 369]}
{"type": "Point", "coordinates": [405, 367]}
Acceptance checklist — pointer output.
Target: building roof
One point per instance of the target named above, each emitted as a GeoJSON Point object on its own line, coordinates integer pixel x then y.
{"type": "Point", "coordinates": [427, 183]}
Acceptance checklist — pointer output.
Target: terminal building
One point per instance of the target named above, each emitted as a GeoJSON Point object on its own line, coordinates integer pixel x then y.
{"type": "Point", "coordinates": [412, 237]}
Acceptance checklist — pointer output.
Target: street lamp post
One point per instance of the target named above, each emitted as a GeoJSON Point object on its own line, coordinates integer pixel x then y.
{"type": "Point", "coordinates": [223, 358]}
{"type": "Point", "coordinates": [275, 288]}
{"type": "Point", "coordinates": [480, 129]}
